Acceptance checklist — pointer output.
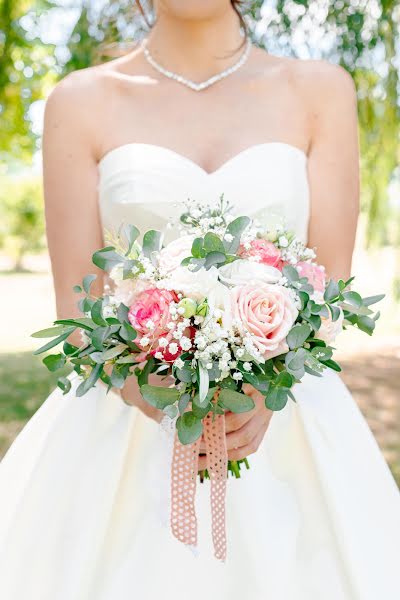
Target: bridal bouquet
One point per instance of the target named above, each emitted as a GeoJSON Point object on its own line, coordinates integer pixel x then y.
{"type": "Point", "coordinates": [228, 302]}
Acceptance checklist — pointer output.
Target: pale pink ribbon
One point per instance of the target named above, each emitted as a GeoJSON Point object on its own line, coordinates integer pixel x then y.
{"type": "Point", "coordinates": [184, 473]}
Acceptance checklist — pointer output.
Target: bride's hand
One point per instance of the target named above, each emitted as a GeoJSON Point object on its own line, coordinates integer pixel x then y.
{"type": "Point", "coordinates": [244, 431]}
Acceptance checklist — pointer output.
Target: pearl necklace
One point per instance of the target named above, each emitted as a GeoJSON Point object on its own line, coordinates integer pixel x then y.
{"type": "Point", "coordinates": [197, 87]}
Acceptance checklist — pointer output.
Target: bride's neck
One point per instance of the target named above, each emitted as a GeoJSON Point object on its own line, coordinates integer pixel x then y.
{"type": "Point", "coordinates": [198, 48]}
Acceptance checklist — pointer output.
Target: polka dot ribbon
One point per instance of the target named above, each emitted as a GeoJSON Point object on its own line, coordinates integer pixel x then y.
{"type": "Point", "coordinates": [184, 472]}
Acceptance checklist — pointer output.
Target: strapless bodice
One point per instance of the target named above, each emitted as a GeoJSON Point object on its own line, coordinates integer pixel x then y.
{"type": "Point", "coordinates": [146, 185]}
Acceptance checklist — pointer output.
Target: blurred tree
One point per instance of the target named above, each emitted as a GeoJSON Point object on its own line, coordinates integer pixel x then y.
{"type": "Point", "coordinates": [21, 218]}
{"type": "Point", "coordinates": [24, 74]}
{"type": "Point", "coordinates": [361, 35]}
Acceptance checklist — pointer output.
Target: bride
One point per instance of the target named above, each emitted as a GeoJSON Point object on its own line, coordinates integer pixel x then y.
{"type": "Point", "coordinates": [82, 496]}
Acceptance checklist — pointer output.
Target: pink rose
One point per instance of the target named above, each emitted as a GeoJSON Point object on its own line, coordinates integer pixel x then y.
{"type": "Point", "coordinates": [173, 254]}
{"type": "Point", "coordinates": [263, 251]}
{"type": "Point", "coordinates": [268, 313]}
{"type": "Point", "coordinates": [329, 329]}
{"type": "Point", "coordinates": [149, 314]}
{"type": "Point", "coordinates": [314, 273]}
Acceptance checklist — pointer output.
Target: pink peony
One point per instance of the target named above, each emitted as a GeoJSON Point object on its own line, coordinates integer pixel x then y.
{"type": "Point", "coordinates": [314, 273]}
{"type": "Point", "coordinates": [173, 254]}
{"type": "Point", "coordinates": [263, 251]}
{"type": "Point", "coordinates": [268, 313]}
{"type": "Point", "coordinates": [149, 314]}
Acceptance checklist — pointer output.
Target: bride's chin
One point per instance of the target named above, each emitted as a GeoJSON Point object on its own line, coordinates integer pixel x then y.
{"type": "Point", "coordinates": [193, 9]}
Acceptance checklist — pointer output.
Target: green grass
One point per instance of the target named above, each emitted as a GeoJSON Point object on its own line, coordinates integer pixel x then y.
{"type": "Point", "coordinates": [24, 385]}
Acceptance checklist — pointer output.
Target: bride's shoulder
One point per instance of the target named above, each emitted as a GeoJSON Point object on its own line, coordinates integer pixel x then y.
{"type": "Point", "coordinates": [88, 87]}
{"type": "Point", "coordinates": [315, 80]}
{"type": "Point", "coordinates": [92, 89]}
{"type": "Point", "coordinates": [318, 81]}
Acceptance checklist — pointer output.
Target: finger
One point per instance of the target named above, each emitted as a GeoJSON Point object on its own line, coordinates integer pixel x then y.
{"type": "Point", "coordinates": [244, 435]}
{"type": "Point", "coordinates": [251, 448]}
{"type": "Point", "coordinates": [234, 421]}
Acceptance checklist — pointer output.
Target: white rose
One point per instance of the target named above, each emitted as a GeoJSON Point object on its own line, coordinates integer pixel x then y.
{"type": "Point", "coordinates": [173, 254]}
{"type": "Point", "coordinates": [330, 329]}
{"type": "Point", "coordinates": [244, 271]}
{"type": "Point", "coordinates": [200, 285]}
{"type": "Point", "coordinates": [196, 285]}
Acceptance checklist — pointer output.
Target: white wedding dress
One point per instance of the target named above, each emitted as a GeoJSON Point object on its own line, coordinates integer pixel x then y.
{"type": "Point", "coordinates": [83, 494]}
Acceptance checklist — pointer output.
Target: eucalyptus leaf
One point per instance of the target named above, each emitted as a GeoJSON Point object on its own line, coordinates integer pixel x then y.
{"type": "Point", "coordinates": [144, 373]}
{"type": "Point", "coordinates": [64, 384]}
{"type": "Point", "coordinates": [151, 242]}
{"type": "Point", "coordinates": [198, 263]}
{"type": "Point", "coordinates": [366, 324]}
{"type": "Point", "coordinates": [55, 341]}
{"type": "Point", "coordinates": [235, 401]}
{"type": "Point", "coordinates": [50, 332]}
{"type": "Point", "coordinates": [122, 313]}
{"type": "Point", "coordinates": [159, 397]}
{"type": "Point", "coordinates": [313, 363]}
{"type": "Point", "coordinates": [69, 349]}
{"type": "Point", "coordinates": [197, 248]}
{"type": "Point", "coordinates": [97, 313]}
{"type": "Point", "coordinates": [131, 233]}
{"type": "Point", "coordinates": [185, 374]}
{"type": "Point", "coordinates": [290, 273]}
{"type": "Point", "coordinates": [99, 336]}
{"type": "Point", "coordinates": [298, 335]}
{"type": "Point", "coordinates": [127, 360]}
{"type": "Point", "coordinates": [213, 243]}
{"type": "Point", "coordinates": [332, 291]}
{"type": "Point", "coordinates": [276, 398]}
{"type": "Point", "coordinates": [332, 364]}
{"type": "Point", "coordinates": [335, 312]}
{"type": "Point", "coordinates": [189, 428]}
{"type": "Point", "coordinates": [171, 411]}
{"type": "Point", "coordinates": [353, 298]}
{"type": "Point", "coordinates": [117, 379]}
{"type": "Point", "coordinates": [106, 258]}
{"type": "Point", "coordinates": [284, 379]}
{"type": "Point", "coordinates": [83, 323]}
{"type": "Point", "coordinates": [214, 258]}
{"type": "Point", "coordinates": [322, 354]}
{"type": "Point", "coordinates": [315, 322]}
{"type": "Point", "coordinates": [114, 351]}
{"type": "Point", "coordinates": [235, 229]}
{"type": "Point", "coordinates": [260, 382]}
{"type": "Point", "coordinates": [88, 383]}
{"type": "Point", "coordinates": [373, 299]}
{"type": "Point", "coordinates": [54, 362]}
{"type": "Point", "coordinates": [87, 282]}
{"type": "Point", "coordinates": [183, 403]}
{"type": "Point", "coordinates": [294, 362]}
{"type": "Point", "coordinates": [196, 398]}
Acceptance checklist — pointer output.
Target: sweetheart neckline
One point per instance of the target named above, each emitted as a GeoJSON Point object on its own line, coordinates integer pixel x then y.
{"type": "Point", "coordinates": [193, 163]}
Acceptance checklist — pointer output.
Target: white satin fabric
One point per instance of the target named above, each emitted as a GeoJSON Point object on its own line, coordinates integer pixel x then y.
{"type": "Point", "coordinates": [316, 518]}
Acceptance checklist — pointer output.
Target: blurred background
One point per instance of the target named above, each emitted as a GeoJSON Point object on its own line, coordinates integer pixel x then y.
{"type": "Point", "coordinates": [41, 41]}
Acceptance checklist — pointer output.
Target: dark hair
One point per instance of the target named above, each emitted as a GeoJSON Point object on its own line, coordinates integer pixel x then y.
{"type": "Point", "coordinates": [235, 5]}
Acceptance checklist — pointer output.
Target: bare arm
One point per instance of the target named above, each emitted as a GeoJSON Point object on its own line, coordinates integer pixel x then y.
{"type": "Point", "coordinates": [70, 181]}
{"type": "Point", "coordinates": [72, 216]}
{"type": "Point", "coordinates": [333, 169]}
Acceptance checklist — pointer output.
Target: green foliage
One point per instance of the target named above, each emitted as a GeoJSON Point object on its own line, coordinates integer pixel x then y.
{"type": "Point", "coordinates": [21, 218]}
{"type": "Point", "coordinates": [27, 72]}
